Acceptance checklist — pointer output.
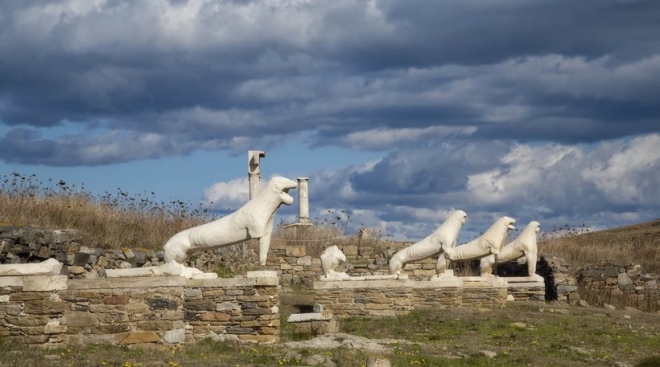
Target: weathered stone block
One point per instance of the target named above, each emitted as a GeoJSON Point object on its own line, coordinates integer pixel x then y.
{"type": "Point", "coordinates": [611, 271]}
{"type": "Point", "coordinates": [191, 293]}
{"type": "Point", "coordinates": [304, 261]}
{"type": "Point", "coordinates": [155, 325]}
{"type": "Point", "coordinates": [32, 339]}
{"type": "Point", "coordinates": [296, 250]}
{"type": "Point", "coordinates": [44, 283]}
{"type": "Point", "coordinates": [79, 319]}
{"type": "Point", "coordinates": [174, 336]}
{"type": "Point", "coordinates": [117, 300]}
{"type": "Point", "coordinates": [624, 281]}
{"type": "Point", "coordinates": [166, 304]}
{"type": "Point", "coordinates": [227, 306]}
{"type": "Point", "coordinates": [325, 327]}
{"type": "Point", "coordinates": [137, 337]}
{"type": "Point", "coordinates": [350, 250]}
{"type": "Point", "coordinates": [27, 320]}
{"type": "Point", "coordinates": [111, 328]}
{"type": "Point", "coordinates": [41, 307]}
{"type": "Point", "coordinates": [81, 258]}
{"type": "Point", "coordinates": [28, 296]}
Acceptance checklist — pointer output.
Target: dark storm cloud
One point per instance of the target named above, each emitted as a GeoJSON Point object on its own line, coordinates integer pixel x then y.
{"type": "Point", "coordinates": [360, 74]}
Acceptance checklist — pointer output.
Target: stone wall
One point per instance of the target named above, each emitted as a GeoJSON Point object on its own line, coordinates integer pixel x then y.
{"type": "Point", "coordinates": [297, 266]}
{"type": "Point", "coordinates": [393, 297]}
{"type": "Point", "coordinates": [52, 309]}
{"type": "Point", "coordinates": [619, 284]}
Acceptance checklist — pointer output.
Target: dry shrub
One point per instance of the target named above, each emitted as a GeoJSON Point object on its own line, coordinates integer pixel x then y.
{"type": "Point", "coordinates": [316, 237]}
{"type": "Point", "coordinates": [639, 243]}
{"type": "Point", "coordinates": [319, 235]}
{"type": "Point", "coordinates": [109, 221]}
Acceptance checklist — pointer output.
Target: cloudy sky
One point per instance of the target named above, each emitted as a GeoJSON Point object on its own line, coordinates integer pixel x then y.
{"type": "Point", "coordinates": [397, 110]}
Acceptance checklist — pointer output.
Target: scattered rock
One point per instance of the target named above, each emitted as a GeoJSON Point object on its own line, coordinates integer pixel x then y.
{"type": "Point", "coordinates": [488, 353]}
{"type": "Point", "coordinates": [580, 350]}
{"type": "Point", "coordinates": [378, 361]}
{"type": "Point", "coordinates": [319, 360]}
{"type": "Point", "coordinates": [77, 270]}
{"type": "Point", "coordinates": [330, 341]}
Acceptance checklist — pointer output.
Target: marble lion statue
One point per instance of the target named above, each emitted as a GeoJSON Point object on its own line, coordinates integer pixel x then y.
{"type": "Point", "coordinates": [443, 239]}
{"type": "Point", "coordinates": [488, 243]}
{"type": "Point", "coordinates": [331, 258]}
{"type": "Point", "coordinates": [252, 220]}
{"type": "Point", "coordinates": [523, 245]}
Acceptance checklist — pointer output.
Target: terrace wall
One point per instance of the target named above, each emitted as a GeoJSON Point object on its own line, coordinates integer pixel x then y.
{"type": "Point", "coordinates": [619, 284]}
{"type": "Point", "coordinates": [52, 309]}
{"type": "Point", "coordinates": [393, 297]}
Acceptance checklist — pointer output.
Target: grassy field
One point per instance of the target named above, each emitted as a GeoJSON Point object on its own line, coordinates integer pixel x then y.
{"type": "Point", "coordinates": [517, 335]}
{"type": "Point", "coordinates": [543, 334]}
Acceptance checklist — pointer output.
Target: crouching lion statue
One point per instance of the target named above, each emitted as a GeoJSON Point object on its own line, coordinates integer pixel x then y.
{"type": "Point", "coordinates": [524, 245]}
{"type": "Point", "coordinates": [252, 220]}
{"type": "Point", "coordinates": [488, 243]}
{"type": "Point", "coordinates": [441, 240]}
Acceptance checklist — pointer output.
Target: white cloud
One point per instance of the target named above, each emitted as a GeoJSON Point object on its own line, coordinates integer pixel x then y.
{"type": "Point", "coordinates": [525, 172]}
{"type": "Point", "coordinates": [227, 196]}
{"type": "Point", "coordinates": [631, 175]}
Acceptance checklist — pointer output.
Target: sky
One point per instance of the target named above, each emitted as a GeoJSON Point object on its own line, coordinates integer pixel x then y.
{"type": "Point", "coordinates": [398, 111]}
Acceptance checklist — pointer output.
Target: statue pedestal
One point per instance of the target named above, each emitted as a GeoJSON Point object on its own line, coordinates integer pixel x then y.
{"type": "Point", "coordinates": [262, 274]}
{"type": "Point", "coordinates": [526, 288]}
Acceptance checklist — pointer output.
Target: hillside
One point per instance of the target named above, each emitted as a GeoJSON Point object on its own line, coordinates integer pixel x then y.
{"type": "Point", "coordinates": [639, 243]}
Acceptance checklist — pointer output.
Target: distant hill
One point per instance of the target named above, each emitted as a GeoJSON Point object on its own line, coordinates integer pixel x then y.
{"type": "Point", "coordinates": [639, 243]}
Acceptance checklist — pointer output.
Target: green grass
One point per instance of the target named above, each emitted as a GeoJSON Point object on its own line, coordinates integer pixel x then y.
{"type": "Point", "coordinates": [520, 334]}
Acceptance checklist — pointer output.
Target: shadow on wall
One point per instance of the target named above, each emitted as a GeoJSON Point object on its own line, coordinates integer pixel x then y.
{"type": "Point", "coordinates": [514, 269]}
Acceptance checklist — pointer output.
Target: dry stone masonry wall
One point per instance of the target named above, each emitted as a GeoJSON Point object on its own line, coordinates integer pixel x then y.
{"type": "Point", "coordinates": [619, 284]}
{"type": "Point", "coordinates": [394, 297]}
{"type": "Point", "coordinates": [52, 310]}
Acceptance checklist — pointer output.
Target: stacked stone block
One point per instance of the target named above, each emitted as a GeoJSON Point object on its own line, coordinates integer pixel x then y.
{"type": "Point", "coordinates": [483, 292]}
{"type": "Point", "coordinates": [54, 310]}
{"type": "Point", "coordinates": [376, 298]}
{"type": "Point", "coordinates": [524, 289]}
{"type": "Point", "coordinates": [619, 283]}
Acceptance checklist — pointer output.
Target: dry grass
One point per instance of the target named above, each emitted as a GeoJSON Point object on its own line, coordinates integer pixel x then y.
{"type": "Point", "coordinates": [639, 243]}
{"type": "Point", "coordinates": [108, 221]}
{"type": "Point", "coordinates": [315, 237]}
